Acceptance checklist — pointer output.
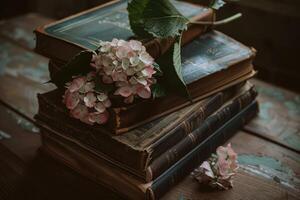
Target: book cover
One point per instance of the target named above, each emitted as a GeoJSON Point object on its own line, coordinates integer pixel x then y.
{"type": "Point", "coordinates": [87, 164]}
{"type": "Point", "coordinates": [63, 39]}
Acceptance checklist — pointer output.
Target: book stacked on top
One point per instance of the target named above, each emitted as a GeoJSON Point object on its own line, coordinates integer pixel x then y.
{"type": "Point", "coordinates": [148, 146]}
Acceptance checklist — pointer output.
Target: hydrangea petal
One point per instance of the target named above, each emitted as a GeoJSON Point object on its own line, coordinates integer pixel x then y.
{"type": "Point", "coordinates": [102, 97]}
{"type": "Point", "coordinates": [144, 92]}
{"type": "Point", "coordinates": [90, 100]}
{"type": "Point", "coordinates": [100, 107]}
{"type": "Point", "coordinates": [79, 111]}
{"type": "Point", "coordinates": [124, 91]}
{"type": "Point", "coordinates": [71, 99]}
{"type": "Point", "coordinates": [135, 45]}
{"type": "Point", "coordinates": [107, 79]}
{"type": "Point", "coordinates": [76, 84]}
{"type": "Point", "coordinates": [146, 58]}
{"type": "Point", "coordinates": [107, 103]}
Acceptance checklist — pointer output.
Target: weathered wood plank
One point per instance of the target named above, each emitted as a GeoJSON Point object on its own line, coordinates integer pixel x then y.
{"type": "Point", "coordinates": [267, 171]}
{"type": "Point", "coordinates": [26, 174]}
{"type": "Point", "coordinates": [264, 158]}
{"type": "Point", "coordinates": [279, 116]}
{"type": "Point", "coordinates": [22, 74]}
{"type": "Point", "coordinates": [19, 135]}
{"type": "Point", "coordinates": [19, 142]}
{"type": "Point", "coordinates": [20, 29]}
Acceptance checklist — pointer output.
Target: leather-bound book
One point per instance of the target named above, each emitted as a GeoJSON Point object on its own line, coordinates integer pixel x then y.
{"type": "Point", "coordinates": [210, 63]}
{"type": "Point", "coordinates": [135, 150]}
{"type": "Point", "coordinates": [63, 39]}
{"type": "Point", "coordinates": [211, 124]}
{"type": "Point", "coordinates": [86, 163]}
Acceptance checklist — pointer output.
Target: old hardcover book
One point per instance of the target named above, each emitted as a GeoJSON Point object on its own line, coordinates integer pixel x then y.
{"type": "Point", "coordinates": [211, 124]}
{"type": "Point", "coordinates": [136, 149]}
{"type": "Point", "coordinates": [86, 163]}
{"type": "Point", "coordinates": [210, 63]}
{"type": "Point", "coordinates": [63, 39]}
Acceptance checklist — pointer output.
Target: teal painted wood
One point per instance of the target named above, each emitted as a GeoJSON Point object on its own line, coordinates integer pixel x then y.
{"type": "Point", "coordinates": [22, 74]}
{"type": "Point", "coordinates": [20, 29]}
{"type": "Point", "coordinates": [279, 116]}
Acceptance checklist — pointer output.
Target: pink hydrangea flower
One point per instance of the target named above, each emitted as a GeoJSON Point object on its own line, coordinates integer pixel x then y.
{"type": "Point", "coordinates": [219, 169]}
{"type": "Point", "coordinates": [84, 102]}
{"type": "Point", "coordinates": [128, 66]}
{"type": "Point", "coordinates": [125, 65]}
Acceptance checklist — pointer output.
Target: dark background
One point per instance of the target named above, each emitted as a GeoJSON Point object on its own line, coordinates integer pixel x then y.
{"type": "Point", "coordinates": [271, 26]}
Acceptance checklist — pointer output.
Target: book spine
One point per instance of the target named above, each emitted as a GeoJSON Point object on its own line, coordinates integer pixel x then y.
{"type": "Point", "coordinates": [192, 122]}
{"type": "Point", "coordinates": [191, 160]}
{"type": "Point", "coordinates": [104, 147]}
{"type": "Point", "coordinates": [211, 124]}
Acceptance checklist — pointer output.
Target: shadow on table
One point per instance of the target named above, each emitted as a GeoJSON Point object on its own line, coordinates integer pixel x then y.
{"type": "Point", "coordinates": [46, 179]}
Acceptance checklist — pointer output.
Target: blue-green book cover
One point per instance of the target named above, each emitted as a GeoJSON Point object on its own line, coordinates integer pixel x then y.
{"type": "Point", "coordinates": [85, 29]}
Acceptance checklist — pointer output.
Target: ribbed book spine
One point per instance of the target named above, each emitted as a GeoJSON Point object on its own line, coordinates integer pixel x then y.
{"type": "Point", "coordinates": [201, 152]}
{"type": "Point", "coordinates": [191, 123]}
{"type": "Point", "coordinates": [212, 123]}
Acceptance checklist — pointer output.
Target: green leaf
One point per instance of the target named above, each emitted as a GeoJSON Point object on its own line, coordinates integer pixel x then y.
{"type": "Point", "coordinates": [156, 17]}
{"type": "Point", "coordinates": [78, 65]}
{"type": "Point", "coordinates": [216, 4]}
{"type": "Point", "coordinates": [158, 90]}
{"type": "Point", "coordinates": [101, 87]}
{"type": "Point", "coordinates": [135, 10]}
{"type": "Point", "coordinates": [170, 64]}
{"type": "Point", "coordinates": [163, 20]}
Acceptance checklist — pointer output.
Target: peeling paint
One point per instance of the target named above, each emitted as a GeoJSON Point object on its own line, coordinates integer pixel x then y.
{"type": "Point", "coordinates": [25, 63]}
{"type": "Point", "coordinates": [273, 93]}
{"type": "Point", "coordinates": [264, 108]}
{"type": "Point", "coordinates": [293, 107]}
{"type": "Point", "coordinates": [20, 34]}
{"type": "Point", "coordinates": [24, 123]}
{"type": "Point", "coordinates": [269, 168]}
{"type": "Point", "coordinates": [293, 139]}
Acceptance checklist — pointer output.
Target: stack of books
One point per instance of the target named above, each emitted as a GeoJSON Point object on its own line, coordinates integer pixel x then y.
{"type": "Point", "coordinates": [148, 146]}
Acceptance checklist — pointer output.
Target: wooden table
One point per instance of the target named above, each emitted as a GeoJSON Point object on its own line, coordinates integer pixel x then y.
{"type": "Point", "coordinates": [268, 147]}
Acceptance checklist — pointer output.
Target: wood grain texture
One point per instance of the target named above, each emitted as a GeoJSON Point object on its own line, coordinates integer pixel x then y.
{"type": "Point", "coordinates": [22, 74]}
{"type": "Point", "coordinates": [24, 138]}
{"type": "Point", "coordinates": [249, 185]}
{"type": "Point", "coordinates": [19, 30]}
{"type": "Point", "coordinates": [279, 116]}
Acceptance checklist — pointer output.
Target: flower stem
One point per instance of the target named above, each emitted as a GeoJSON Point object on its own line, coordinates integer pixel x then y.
{"type": "Point", "coordinates": [220, 22]}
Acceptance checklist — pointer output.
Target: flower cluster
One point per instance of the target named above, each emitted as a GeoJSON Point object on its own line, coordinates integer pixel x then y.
{"type": "Point", "coordinates": [124, 65]}
{"type": "Point", "coordinates": [219, 169]}
{"type": "Point", "coordinates": [84, 102]}
{"type": "Point", "coordinates": [128, 66]}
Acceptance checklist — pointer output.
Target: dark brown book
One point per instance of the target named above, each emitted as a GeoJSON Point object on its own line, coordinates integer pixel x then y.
{"type": "Point", "coordinates": [134, 150]}
{"type": "Point", "coordinates": [82, 160]}
{"type": "Point", "coordinates": [65, 38]}
{"type": "Point", "coordinates": [209, 125]}
{"type": "Point", "coordinates": [210, 64]}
